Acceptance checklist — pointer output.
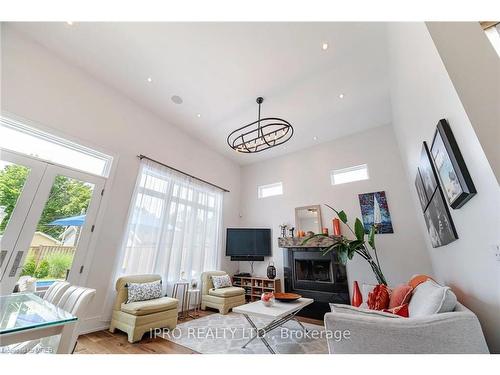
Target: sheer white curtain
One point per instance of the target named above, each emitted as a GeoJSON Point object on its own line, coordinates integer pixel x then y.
{"type": "Point", "coordinates": [174, 226]}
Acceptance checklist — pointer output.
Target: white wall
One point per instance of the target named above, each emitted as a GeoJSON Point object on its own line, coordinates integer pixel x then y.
{"type": "Point", "coordinates": [464, 47]}
{"type": "Point", "coordinates": [422, 93]}
{"type": "Point", "coordinates": [38, 86]}
{"type": "Point", "coordinates": [306, 181]}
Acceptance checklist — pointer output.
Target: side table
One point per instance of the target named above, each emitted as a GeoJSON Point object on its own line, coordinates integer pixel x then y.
{"type": "Point", "coordinates": [194, 295]}
{"type": "Point", "coordinates": [180, 292]}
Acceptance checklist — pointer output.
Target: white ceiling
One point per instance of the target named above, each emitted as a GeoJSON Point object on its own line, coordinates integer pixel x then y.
{"type": "Point", "coordinates": [220, 68]}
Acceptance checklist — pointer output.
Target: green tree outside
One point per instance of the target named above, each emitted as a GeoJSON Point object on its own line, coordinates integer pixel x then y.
{"type": "Point", "coordinates": [68, 197]}
{"type": "Point", "coordinates": [12, 179]}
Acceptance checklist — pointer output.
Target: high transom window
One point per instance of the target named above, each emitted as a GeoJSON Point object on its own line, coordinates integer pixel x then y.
{"type": "Point", "coordinates": [350, 174]}
{"type": "Point", "coordinates": [21, 138]}
{"type": "Point", "coordinates": [265, 191]}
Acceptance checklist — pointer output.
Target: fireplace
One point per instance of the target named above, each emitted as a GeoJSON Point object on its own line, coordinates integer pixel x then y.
{"type": "Point", "coordinates": [319, 271]}
{"type": "Point", "coordinates": [313, 275]}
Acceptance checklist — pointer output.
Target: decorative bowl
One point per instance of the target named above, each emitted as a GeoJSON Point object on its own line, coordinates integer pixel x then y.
{"type": "Point", "coordinates": [287, 297]}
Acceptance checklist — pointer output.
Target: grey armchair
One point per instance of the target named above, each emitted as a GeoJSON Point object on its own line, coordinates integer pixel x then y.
{"type": "Point", "coordinates": [458, 331]}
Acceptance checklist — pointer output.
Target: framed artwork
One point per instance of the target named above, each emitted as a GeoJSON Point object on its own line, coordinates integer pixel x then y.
{"type": "Point", "coordinates": [438, 220]}
{"type": "Point", "coordinates": [374, 210]}
{"type": "Point", "coordinates": [421, 191]}
{"type": "Point", "coordinates": [453, 173]}
{"type": "Point", "coordinates": [427, 172]}
{"type": "Point", "coordinates": [436, 213]}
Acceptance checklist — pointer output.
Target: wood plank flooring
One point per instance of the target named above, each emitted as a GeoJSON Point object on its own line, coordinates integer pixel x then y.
{"type": "Point", "coordinates": [105, 342]}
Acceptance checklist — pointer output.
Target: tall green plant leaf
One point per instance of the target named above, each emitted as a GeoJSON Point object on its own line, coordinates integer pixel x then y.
{"type": "Point", "coordinates": [359, 230]}
{"type": "Point", "coordinates": [343, 254]}
{"type": "Point", "coordinates": [371, 236]}
{"type": "Point", "coordinates": [342, 216]}
{"type": "Point", "coordinates": [356, 244]}
{"type": "Point", "coordinates": [328, 249]}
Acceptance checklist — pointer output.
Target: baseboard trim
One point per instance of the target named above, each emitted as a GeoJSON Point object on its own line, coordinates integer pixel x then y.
{"type": "Point", "coordinates": [93, 324]}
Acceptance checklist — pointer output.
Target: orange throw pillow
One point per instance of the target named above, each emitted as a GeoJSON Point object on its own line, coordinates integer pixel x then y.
{"type": "Point", "coordinates": [399, 310]}
{"type": "Point", "coordinates": [418, 279]}
{"type": "Point", "coordinates": [378, 298]}
{"type": "Point", "coordinates": [400, 295]}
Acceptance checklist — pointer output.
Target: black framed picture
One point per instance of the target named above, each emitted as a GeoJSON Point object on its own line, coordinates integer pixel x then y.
{"type": "Point", "coordinates": [427, 172]}
{"type": "Point", "coordinates": [436, 213]}
{"type": "Point", "coordinates": [438, 220]}
{"type": "Point", "coordinates": [421, 191]}
{"type": "Point", "coordinates": [451, 168]}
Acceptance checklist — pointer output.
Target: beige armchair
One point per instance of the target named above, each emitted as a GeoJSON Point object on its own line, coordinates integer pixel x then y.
{"type": "Point", "coordinates": [137, 318]}
{"type": "Point", "coordinates": [222, 299]}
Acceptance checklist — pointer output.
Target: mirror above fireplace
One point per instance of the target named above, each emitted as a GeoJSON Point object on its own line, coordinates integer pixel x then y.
{"type": "Point", "coordinates": [308, 219]}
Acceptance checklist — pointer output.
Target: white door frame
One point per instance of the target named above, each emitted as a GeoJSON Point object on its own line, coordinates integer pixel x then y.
{"type": "Point", "coordinates": [32, 217]}
{"type": "Point", "coordinates": [23, 204]}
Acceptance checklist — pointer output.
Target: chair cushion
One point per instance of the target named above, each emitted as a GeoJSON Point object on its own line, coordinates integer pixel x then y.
{"type": "Point", "coordinates": [149, 307]}
{"type": "Point", "coordinates": [206, 280]}
{"type": "Point", "coordinates": [400, 295]}
{"type": "Point", "coordinates": [230, 291]}
{"type": "Point", "coordinates": [144, 291]}
{"type": "Point", "coordinates": [431, 298]}
{"type": "Point", "coordinates": [365, 290]}
{"type": "Point", "coordinates": [223, 281]}
{"type": "Point", "coordinates": [416, 280]}
{"type": "Point", "coordinates": [378, 298]}
{"type": "Point", "coordinates": [399, 311]}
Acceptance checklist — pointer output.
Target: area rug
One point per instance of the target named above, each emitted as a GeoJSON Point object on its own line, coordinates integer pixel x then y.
{"type": "Point", "coordinates": [226, 334]}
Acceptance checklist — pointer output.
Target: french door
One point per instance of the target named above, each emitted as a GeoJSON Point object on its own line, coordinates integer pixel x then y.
{"type": "Point", "coordinates": [47, 216]}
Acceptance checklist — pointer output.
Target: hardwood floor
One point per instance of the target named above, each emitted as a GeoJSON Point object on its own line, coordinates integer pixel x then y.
{"type": "Point", "coordinates": [105, 342]}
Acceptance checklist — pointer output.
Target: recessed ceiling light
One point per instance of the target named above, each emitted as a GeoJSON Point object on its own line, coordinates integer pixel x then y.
{"type": "Point", "coordinates": [315, 138]}
{"type": "Point", "coordinates": [198, 115]}
{"type": "Point", "coordinates": [150, 79]}
{"type": "Point", "coordinates": [70, 23]}
{"type": "Point", "coordinates": [324, 46]}
{"type": "Point", "coordinates": [176, 99]}
{"type": "Point", "coordinates": [341, 96]}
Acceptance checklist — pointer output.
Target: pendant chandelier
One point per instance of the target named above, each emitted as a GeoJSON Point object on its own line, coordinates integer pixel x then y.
{"type": "Point", "coordinates": [260, 135]}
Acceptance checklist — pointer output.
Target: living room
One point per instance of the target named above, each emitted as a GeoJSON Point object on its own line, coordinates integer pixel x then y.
{"type": "Point", "coordinates": [250, 188]}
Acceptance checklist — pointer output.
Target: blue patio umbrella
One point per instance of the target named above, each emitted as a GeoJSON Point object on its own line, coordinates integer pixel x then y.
{"type": "Point", "coordinates": [76, 221]}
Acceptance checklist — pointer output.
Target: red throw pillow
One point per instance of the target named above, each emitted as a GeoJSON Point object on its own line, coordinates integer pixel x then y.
{"type": "Point", "coordinates": [378, 298]}
{"type": "Point", "coordinates": [400, 295]}
{"type": "Point", "coordinates": [399, 310]}
{"type": "Point", "coordinates": [416, 280]}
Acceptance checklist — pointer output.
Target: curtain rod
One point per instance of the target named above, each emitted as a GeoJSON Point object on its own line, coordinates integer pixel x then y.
{"type": "Point", "coordinates": [187, 174]}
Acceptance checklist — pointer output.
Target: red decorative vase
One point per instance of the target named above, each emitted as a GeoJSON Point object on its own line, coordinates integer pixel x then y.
{"type": "Point", "coordinates": [336, 227]}
{"type": "Point", "coordinates": [357, 298]}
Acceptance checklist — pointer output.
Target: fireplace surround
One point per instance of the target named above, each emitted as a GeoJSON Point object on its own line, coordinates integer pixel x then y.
{"type": "Point", "coordinates": [313, 275]}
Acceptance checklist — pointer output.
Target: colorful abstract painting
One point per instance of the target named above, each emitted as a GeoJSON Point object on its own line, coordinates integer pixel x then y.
{"type": "Point", "coordinates": [374, 210]}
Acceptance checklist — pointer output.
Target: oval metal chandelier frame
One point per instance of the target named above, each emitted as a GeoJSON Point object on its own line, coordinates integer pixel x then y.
{"type": "Point", "coordinates": [260, 135]}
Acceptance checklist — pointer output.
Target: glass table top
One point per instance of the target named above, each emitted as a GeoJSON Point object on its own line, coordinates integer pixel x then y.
{"type": "Point", "coordinates": [23, 311]}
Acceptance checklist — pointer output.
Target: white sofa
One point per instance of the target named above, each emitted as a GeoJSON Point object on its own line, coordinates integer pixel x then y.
{"type": "Point", "coordinates": [368, 331]}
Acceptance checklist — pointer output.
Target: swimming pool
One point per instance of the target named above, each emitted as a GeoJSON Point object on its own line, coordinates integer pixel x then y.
{"type": "Point", "coordinates": [44, 283]}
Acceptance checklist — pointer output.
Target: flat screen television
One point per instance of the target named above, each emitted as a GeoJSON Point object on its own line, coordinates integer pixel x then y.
{"type": "Point", "coordinates": [248, 243]}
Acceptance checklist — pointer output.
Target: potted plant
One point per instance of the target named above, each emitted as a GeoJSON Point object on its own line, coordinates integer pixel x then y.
{"type": "Point", "coordinates": [345, 248]}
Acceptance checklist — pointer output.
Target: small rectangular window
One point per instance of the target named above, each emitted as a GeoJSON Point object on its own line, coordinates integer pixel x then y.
{"type": "Point", "coordinates": [270, 190]}
{"type": "Point", "coordinates": [351, 174]}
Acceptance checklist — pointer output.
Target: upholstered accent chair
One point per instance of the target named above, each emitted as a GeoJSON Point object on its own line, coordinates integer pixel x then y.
{"type": "Point", "coordinates": [222, 299]}
{"type": "Point", "coordinates": [54, 293]}
{"type": "Point", "coordinates": [137, 318]}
